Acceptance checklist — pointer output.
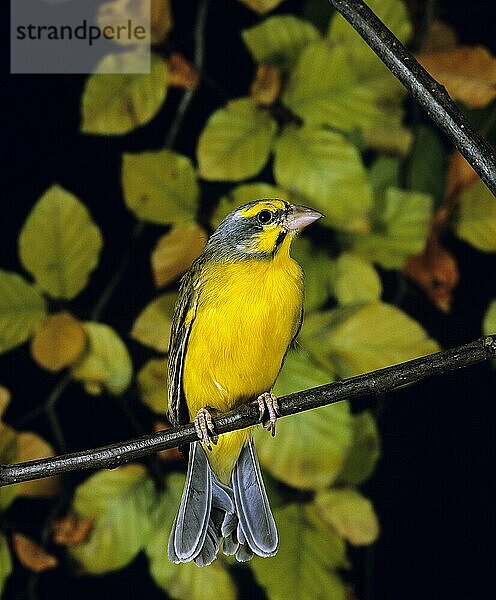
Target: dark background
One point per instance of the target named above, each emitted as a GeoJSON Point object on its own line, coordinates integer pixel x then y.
{"type": "Point", "coordinates": [434, 487]}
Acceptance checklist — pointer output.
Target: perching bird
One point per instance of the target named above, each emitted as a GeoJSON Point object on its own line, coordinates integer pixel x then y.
{"type": "Point", "coordinates": [240, 307]}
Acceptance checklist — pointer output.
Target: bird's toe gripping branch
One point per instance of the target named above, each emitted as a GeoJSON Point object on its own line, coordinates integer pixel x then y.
{"type": "Point", "coordinates": [205, 428]}
{"type": "Point", "coordinates": [268, 402]}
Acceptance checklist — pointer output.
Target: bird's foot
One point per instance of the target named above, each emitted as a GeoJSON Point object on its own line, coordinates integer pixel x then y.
{"type": "Point", "coordinates": [205, 428]}
{"type": "Point", "coordinates": [268, 402]}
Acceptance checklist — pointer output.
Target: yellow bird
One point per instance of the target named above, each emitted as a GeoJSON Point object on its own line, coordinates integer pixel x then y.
{"type": "Point", "coordinates": [240, 307]}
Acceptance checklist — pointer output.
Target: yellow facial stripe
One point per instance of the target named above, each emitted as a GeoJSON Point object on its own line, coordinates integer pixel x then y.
{"type": "Point", "coordinates": [271, 205]}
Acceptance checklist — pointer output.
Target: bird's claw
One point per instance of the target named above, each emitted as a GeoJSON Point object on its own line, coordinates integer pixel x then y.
{"type": "Point", "coordinates": [268, 402]}
{"type": "Point", "coordinates": [205, 428]}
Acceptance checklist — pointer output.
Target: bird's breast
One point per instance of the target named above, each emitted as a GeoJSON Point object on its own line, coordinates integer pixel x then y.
{"type": "Point", "coordinates": [246, 317]}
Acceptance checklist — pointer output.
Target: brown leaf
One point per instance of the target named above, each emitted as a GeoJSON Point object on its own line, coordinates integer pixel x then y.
{"type": "Point", "coordinates": [59, 343]}
{"type": "Point", "coordinates": [4, 400]}
{"type": "Point", "coordinates": [175, 251]}
{"type": "Point", "coordinates": [261, 6]}
{"type": "Point", "coordinates": [172, 454]}
{"type": "Point", "coordinates": [459, 176]}
{"type": "Point", "coordinates": [467, 72]}
{"type": "Point", "coordinates": [266, 85]}
{"type": "Point", "coordinates": [441, 36]}
{"type": "Point", "coordinates": [160, 20]}
{"type": "Point", "coordinates": [31, 555]}
{"type": "Point", "coordinates": [30, 446]}
{"type": "Point", "coordinates": [436, 272]}
{"type": "Point", "coordinates": [71, 530]}
{"type": "Point", "coordinates": [182, 73]}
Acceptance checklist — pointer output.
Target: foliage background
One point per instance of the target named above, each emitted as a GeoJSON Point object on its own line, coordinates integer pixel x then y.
{"type": "Point", "coordinates": [433, 487]}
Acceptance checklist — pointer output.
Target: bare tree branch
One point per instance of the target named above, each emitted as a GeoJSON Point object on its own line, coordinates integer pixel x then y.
{"type": "Point", "coordinates": [432, 96]}
{"type": "Point", "coordinates": [376, 382]}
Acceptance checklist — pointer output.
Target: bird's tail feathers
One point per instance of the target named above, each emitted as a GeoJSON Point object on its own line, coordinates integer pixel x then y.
{"type": "Point", "coordinates": [211, 512]}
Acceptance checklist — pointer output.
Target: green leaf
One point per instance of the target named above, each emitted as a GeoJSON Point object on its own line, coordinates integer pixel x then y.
{"type": "Point", "coordinates": [279, 40]}
{"type": "Point", "coordinates": [356, 280]}
{"type": "Point", "coordinates": [365, 451]}
{"type": "Point", "coordinates": [22, 310]}
{"type": "Point", "coordinates": [327, 170]}
{"type": "Point", "coordinates": [236, 141]}
{"type": "Point", "coordinates": [153, 325]}
{"type": "Point", "coordinates": [350, 513]}
{"type": "Point", "coordinates": [160, 186]}
{"type": "Point", "coordinates": [400, 223]}
{"type": "Point", "coordinates": [357, 339]}
{"type": "Point", "coordinates": [186, 580]}
{"type": "Point", "coordinates": [152, 383]}
{"type": "Point", "coordinates": [427, 164]}
{"type": "Point", "coordinates": [309, 551]}
{"type": "Point", "coordinates": [120, 501]}
{"type": "Point", "coordinates": [59, 244]}
{"type": "Point", "coordinates": [384, 173]}
{"type": "Point", "coordinates": [261, 6]}
{"type": "Point", "coordinates": [8, 456]}
{"type": "Point", "coordinates": [242, 194]}
{"type": "Point", "coordinates": [5, 561]}
{"type": "Point", "coordinates": [115, 104]}
{"type": "Point", "coordinates": [309, 449]}
{"type": "Point", "coordinates": [106, 362]}
{"type": "Point", "coordinates": [319, 272]}
{"type": "Point", "coordinates": [489, 323]}
{"type": "Point", "coordinates": [329, 86]}
{"type": "Point", "coordinates": [476, 222]}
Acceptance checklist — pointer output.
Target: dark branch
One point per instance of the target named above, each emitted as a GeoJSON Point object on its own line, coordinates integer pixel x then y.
{"type": "Point", "coordinates": [376, 382]}
{"type": "Point", "coordinates": [427, 91]}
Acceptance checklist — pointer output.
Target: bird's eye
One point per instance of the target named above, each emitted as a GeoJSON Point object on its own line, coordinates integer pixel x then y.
{"type": "Point", "coordinates": [265, 217]}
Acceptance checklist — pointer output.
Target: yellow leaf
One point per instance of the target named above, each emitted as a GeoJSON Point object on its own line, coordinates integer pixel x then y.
{"type": "Point", "coordinates": [175, 251]}
{"type": "Point", "coordinates": [30, 446]}
{"type": "Point", "coordinates": [59, 243]}
{"type": "Point", "coordinates": [489, 323]}
{"type": "Point", "coordinates": [114, 104]}
{"type": "Point", "coordinates": [22, 310]}
{"type": "Point", "coordinates": [309, 450]}
{"type": "Point", "coordinates": [236, 141]}
{"type": "Point", "coordinates": [309, 554]}
{"type": "Point", "coordinates": [261, 6]}
{"type": "Point", "coordinates": [59, 342]}
{"type": "Point", "coordinates": [467, 72]}
{"type": "Point", "coordinates": [357, 339]}
{"type": "Point", "coordinates": [350, 513]}
{"type": "Point", "coordinates": [160, 186]}
{"type": "Point", "coordinates": [106, 362]}
{"type": "Point", "coordinates": [476, 222]}
{"type": "Point", "coordinates": [153, 325]}
{"type": "Point", "coordinates": [119, 502]}
{"type": "Point", "coordinates": [4, 400]}
{"type": "Point", "coordinates": [152, 383]}
{"type": "Point", "coordinates": [356, 280]}
{"type": "Point", "coordinates": [327, 170]}
{"type": "Point", "coordinates": [31, 555]}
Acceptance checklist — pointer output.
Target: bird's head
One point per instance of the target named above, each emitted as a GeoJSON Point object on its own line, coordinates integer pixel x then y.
{"type": "Point", "coordinates": [260, 228]}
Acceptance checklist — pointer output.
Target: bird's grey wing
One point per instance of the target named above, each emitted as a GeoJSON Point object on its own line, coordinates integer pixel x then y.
{"type": "Point", "coordinates": [256, 523]}
{"type": "Point", "coordinates": [190, 528]}
{"type": "Point", "coordinates": [184, 317]}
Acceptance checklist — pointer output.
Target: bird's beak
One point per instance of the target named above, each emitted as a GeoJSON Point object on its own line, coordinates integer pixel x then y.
{"type": "Point", "coordinates": [301, 216]}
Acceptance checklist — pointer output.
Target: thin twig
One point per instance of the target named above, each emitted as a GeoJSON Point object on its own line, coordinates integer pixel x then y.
{"type": "Point", "coordinates": [432, 96]}
{"type": "Point", "coordinates": [376, 382]}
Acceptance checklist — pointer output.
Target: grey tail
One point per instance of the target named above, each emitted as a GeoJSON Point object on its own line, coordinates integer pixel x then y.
{"type": "Point", "coordinates": [211, 512]}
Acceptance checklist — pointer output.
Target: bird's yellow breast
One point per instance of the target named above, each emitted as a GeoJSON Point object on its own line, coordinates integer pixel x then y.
{"type": "Point", "coordinates": [246, 316]}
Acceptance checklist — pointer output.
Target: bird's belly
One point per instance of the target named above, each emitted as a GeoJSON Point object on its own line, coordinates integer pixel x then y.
{"type": "Point", "coordinates": [240, 335]}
